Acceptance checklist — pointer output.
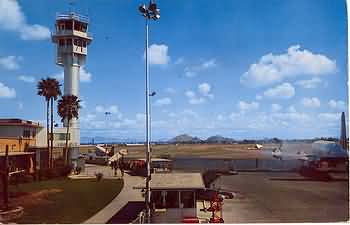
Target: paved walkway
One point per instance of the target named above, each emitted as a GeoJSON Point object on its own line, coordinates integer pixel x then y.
{"type": "Point", "coordinates": [124, 198]}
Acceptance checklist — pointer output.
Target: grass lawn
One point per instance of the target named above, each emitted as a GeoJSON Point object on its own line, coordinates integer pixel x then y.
{"type": "Point", "coordinates": [64, 200]}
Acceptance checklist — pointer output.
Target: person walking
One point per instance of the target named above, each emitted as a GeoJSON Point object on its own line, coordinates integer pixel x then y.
{"type": "Point", "coordinates": [121, 166]}
{"type": "Point", "coordinates": [115, 165]}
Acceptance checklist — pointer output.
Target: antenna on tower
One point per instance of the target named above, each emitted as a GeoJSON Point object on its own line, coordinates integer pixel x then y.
{"type": "Point", "coordinates": [71, 5]}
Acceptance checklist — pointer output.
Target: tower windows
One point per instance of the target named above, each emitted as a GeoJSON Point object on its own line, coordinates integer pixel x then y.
{"type": "Point", "coordinates": [60, 26]}
{"type": "Point", "coordinates": [69, 25]}
{"type": "Point", "coordinates": [69, 42]}
{"type": "Point", "coordinates": [61, 42]}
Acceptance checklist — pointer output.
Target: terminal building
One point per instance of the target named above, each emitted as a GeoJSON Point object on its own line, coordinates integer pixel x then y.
{"type": "Point", "coordinates": [18, 134]}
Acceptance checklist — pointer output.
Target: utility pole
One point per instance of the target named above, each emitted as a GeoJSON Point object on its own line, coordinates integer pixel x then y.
{"type": "Point", "coordinates": [5, 178]}
{"type": "Point", "coordinates": [150, 12]}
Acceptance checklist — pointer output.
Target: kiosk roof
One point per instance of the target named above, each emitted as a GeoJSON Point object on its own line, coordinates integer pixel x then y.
{"type": "Point", "coordinates": [164, 181]}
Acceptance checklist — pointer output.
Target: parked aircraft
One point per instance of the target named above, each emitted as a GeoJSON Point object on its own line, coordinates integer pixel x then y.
{"type": "Point", "coordinates": [324, 157]}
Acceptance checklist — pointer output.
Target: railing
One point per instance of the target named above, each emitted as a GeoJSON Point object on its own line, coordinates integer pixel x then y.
{"type": "Point", "coordinates": [72, 15]}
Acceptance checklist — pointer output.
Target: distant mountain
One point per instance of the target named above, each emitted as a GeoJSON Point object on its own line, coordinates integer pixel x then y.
{"type": "Point", "coordinates": [219, 140]}
{"type": "Point", "coordinates": [185, 138]}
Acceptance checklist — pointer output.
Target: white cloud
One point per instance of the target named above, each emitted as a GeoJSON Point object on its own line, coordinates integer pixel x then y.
{"type": "Point", "coordinates": [285, 90]}
{"type": "Point", "coordinates": [179, 61]}
{"type": "Point", "coordinates": [339, 105]}
{"type": "Point", "coordinates": [170, 90]}
{"type": "Point", "coordinates": [7, 92]}
{"type": "Point", "coordinates": [158, 54]}
{"type": "Point", "coordinates": [163, 101]}
{"type": "Point", "coordinates": [172, 114]}
{"type": "Point", "coordinates": [312, 102]}
{"type": "Point", "coordinates": [85, 76]}
{"type": "Point", "coordinates": [20, 105]}
{"type": "Point", "coordinates": [141, 116]}
{"type": "Point", "coordinates": [329, 117]}
{"type": "Point", "coordinates": [209, 64]}
{"type": "Point", "coordinates": [312, 83]}
{"type": "Point", "coordinates": [34, 32]}
{"type": "Point", "coordinates": [189, 72]}
{"type": "Point", "coordinates": [102, 109]}
{"type": "Point", "coordinates": [192, 71]}
{"type": "Point", "coordinates": [202, 95]}
{"type": "Point", "coordinates": [10, 62]}
{"type": "Point", "coordinates": [291, 109]}
{"type": "Point", "coordinates": [190, 94]}
{"type": "Point", "coordinates": [220, 117]}
{"type": "Point", "coordinates": [193, 98]}
{"type": "Point", "coordinates": [197, 100]}
{"type": "Point", "coordinates": [275, 107]}
{"type": "Point", "coordinates": [13, 19]}
{"type": "Point", "coordinates": [204, 88]}
{"type": "Point", "coordinates": [258, 97]}
{"type": "Point", "coordinates": [189, 112]}
{"type": "Point", "coordinates": [246, 106]}
{"type": "Point", "coordinates": [28, 79]}
{"type": "Point", "coordinates": [296, 62]}
{"type": "Point", "coordinates": [88, 117]}
{"type": "Point", "coordinates": [83, 103]}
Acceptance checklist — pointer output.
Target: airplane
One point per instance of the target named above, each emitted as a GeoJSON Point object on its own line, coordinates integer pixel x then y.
{"type": "Point", "coordinates": [324, 157]}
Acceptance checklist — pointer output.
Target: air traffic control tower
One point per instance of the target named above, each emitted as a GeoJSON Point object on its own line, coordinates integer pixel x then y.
{"type": "Point", "coordinates": [71, 38]}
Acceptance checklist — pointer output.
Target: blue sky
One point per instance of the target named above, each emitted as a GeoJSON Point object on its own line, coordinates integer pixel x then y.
{"type": "Point", "coordinates": [242, 69]}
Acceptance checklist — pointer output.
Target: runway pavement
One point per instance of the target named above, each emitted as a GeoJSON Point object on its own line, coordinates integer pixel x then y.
{"type": "Point", "coordinates": [283, 197]}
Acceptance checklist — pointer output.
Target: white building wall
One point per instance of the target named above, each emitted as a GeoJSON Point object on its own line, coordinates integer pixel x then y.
{"type": "Point", "coordinates": [73, 142]}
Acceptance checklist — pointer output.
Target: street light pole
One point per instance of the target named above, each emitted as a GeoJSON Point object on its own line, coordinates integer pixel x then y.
{"type": "Point", "coordinates": [148, 152]}
{"type": "Point", "coordinates": [151, 12]}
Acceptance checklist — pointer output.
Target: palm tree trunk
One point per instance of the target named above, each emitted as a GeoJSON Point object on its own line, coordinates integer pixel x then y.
{"type": "Point", "coordinates": [66, 152]}
{"type": "Point", "coordinates": [51, 151]}
{"type": "Point", "coordinates": [47, 130]}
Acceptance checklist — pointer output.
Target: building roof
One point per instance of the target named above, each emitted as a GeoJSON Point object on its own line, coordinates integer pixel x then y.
{"type": "Point", "coordinates": [156, 160]}
{"type": "Point", "coordinates": [17, 153]}
{"type": "Point", "coordinates": [162, 181]}
{"type": "Point", "coordinates": [19, 122]}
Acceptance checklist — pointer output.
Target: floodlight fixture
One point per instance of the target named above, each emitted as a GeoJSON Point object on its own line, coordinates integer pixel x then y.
{"type": "Point", "coordinates": [152, 7]}
{"type": "Point", "coordinates": [142, 9]}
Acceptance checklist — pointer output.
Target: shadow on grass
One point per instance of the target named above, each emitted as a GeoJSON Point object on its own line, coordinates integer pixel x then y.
{"type": "Point", "coordinates": [128, 213]}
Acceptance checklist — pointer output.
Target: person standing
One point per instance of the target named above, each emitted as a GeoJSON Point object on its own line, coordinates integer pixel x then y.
{"type": "Point", "coordinates": [121, 166]}
{"type": "Point", "coordinates": [115, 165]}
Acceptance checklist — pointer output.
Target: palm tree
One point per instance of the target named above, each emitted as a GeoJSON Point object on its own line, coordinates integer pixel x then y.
{"type": "Point", "coordinates": [50, 89]}
{"type": "Point", "coordinates": [68, 108]}
{"type": "Point", "coordinates": [55, 92]}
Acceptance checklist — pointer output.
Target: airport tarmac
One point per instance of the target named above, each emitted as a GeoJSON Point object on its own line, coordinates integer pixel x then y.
{"type": "Point", "coordinates": [284, 197]}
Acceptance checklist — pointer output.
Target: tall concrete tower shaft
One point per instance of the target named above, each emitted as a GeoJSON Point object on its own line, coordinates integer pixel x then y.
{"type": "Point", "coordinates": [72, 38]}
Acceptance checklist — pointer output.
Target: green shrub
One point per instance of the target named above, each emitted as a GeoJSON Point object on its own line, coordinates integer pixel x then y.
{"type": "Point", "coordinates": [77, 170]}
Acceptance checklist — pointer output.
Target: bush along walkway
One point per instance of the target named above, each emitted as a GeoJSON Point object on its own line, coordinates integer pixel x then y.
{"type": "Point", "coordinates": [119, 205]}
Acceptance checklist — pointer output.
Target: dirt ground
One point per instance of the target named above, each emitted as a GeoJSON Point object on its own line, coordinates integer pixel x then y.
{"type": "Point", "coordinates": [26, 199]}
{"type": "Point", "coordinates": [232, 151]}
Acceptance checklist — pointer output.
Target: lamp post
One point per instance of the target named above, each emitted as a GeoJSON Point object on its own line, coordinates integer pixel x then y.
{"type": "Point", "coordinates": [150, 12]}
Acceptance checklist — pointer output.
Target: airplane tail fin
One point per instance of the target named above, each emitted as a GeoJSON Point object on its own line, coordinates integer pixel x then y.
{"type": "Point", "coordinates": [343, 139]}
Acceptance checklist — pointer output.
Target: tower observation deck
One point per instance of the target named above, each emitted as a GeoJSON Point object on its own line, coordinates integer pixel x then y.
{"type": "Point", "coordinates": [71, 38]}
